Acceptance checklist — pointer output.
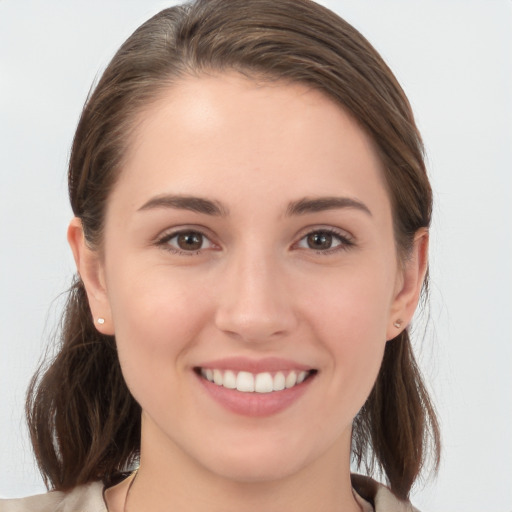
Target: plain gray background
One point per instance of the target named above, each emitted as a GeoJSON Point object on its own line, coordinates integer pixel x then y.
{"type": "Point", "coordinates": [454, 60]}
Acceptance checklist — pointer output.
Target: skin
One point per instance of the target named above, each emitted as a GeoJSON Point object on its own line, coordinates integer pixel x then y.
{"type": "Point", "coordinates": [255, 288]}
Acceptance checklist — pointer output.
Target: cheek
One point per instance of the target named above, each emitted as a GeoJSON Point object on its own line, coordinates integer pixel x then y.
{"type": "Point", "coordinates": [156, 321]}
{"type": "Point", "coordinates": [350, 318]}
{"type": "Point", "coordinates": [352, 304]}
{"type": "Point", "coordinates": [153, 301]}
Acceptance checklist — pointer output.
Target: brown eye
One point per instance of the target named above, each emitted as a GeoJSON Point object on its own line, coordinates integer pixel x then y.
{"type": "Point", "coordinates": [186, 242]}
{"type": "Point", "coordinates": [325, 241]}
{"type": "Point", "coordinates": [189, 241]}
{"type": "Point", "coordinates": [319, 240]}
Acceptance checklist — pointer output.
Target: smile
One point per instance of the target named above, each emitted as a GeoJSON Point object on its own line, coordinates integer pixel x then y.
{"type": "Point", "coordinates": [247, 382]}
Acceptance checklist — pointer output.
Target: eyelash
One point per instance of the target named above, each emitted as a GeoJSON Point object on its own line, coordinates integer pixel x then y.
{"type": "Point", "coordinates": [344, 241]}
{"type": "Point", "coordinates": [163, 242]}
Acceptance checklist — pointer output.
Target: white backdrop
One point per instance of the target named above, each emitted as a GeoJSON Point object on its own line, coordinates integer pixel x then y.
{"type": "Point", "coordinates": [454, 59]}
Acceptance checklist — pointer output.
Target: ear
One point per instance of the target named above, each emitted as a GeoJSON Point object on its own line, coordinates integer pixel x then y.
{"type": "Point", "coordinates": [408, 287]}
{"type": "Point", "coordinates": [90, 267]}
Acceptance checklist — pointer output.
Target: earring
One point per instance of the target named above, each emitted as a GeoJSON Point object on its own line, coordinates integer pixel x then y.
{"type": "Point", "coordinates": [101, 321]}
{"type": "Point", "coordinates": [398, 323]}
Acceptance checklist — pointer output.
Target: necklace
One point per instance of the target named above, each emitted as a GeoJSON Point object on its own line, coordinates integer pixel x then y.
{"type": "Point", "coordinates": [129, 489]}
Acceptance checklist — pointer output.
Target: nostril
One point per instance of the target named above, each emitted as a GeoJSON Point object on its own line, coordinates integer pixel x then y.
{"type": "Point", "coordinates": [254, 327]}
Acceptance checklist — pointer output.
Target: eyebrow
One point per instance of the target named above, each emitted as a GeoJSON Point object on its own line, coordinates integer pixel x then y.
{"type": "Point", "coordinates": [215, 208]}
{"type": "Point", "coordinates": [191, 203]}
{"type": "Point", "coordinates": [307, 205]}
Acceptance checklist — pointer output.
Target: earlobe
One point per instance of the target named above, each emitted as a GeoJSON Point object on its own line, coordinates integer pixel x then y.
{"type": "Point", "coordinates": [409, 286]}
{"type": "Point", "coordinates": [90, 267]}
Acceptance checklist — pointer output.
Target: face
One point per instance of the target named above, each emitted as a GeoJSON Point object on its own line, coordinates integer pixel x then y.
{"type": "Point", "coordinates": [250, 276]}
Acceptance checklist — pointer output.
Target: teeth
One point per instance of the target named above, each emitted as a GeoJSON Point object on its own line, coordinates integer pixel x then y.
{"type": "Point", "coordinates": [264, 383]}
{"type": "Point", "coordinates": [279, 381]}
{"type": "Point", "coordinates": [229, 380]}
{"type": "Point", "coordinates": [291, 380]}
{"type": "Point", "coordinates": [301, 377]}
{"type": "Point", "coordinates": [217, 377]}
{"type": "Point", "coordinates": [247, 382]}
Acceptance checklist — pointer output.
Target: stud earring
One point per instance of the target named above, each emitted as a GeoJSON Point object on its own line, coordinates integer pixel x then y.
{"type": "Point", "coordinates": [101, 321]}
{"type": "Point", "coordinates": [398, 323]}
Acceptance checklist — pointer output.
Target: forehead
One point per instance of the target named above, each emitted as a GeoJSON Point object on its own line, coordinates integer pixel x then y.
{"type": "Point", "coordinates": [217, 134]}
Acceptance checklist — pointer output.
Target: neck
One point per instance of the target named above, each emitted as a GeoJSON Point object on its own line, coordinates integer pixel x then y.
{"type": "Point", "coordinates": [169, 479]}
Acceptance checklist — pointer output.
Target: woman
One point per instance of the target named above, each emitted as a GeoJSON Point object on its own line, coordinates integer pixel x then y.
{"type": "Point", "coordinates": [251, 235]}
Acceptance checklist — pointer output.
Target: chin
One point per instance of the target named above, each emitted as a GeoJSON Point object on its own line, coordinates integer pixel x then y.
{"type": "Point", "coordinates": [257, 461]}
{"type": "Point", "coordinates": [249, 471]}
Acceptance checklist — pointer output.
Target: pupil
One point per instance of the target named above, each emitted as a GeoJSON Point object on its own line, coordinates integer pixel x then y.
{"type": "Point", "coordinates": [190, 241]}
{"type": "Point", "coordinates": [320, 241]}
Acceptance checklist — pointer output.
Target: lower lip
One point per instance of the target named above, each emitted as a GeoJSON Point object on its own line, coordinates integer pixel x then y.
{"type": "Point", "coordinates": [255, 404]}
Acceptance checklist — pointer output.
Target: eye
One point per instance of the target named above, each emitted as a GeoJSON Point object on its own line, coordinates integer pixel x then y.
{"type": "Point", "coordinates": [324, 240]}
{"type": "Point", "coordinates": [188, 241]}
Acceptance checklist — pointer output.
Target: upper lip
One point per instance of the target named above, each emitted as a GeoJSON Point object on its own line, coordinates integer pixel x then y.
{"type": "Point", "coordinates": [266, 364]}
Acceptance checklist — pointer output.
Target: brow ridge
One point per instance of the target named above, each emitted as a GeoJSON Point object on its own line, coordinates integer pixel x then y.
{"type": "Point", "coordinates": [312, 205]}
{"type": "Point", "coordinates": [191, 203]}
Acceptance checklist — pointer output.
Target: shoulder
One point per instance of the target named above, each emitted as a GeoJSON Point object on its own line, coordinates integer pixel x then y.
{"type": "Point", "coordinates": [89, 498]}
{"type": "Point", "coordinates": [378, 496]}
{"type": "Point", "coordinates": [84, 498]}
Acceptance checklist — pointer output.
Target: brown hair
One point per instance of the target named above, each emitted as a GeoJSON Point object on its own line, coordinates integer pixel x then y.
{"type": "Point", "coordinates": [84, 423]}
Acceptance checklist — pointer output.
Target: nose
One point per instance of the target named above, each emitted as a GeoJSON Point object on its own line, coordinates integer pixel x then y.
{"type": "Point", "coordinates": [254, 303]}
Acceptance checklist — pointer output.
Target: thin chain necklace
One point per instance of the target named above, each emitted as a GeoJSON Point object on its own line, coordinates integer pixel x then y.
{"type": "Point", "coordinates": [129, 489]}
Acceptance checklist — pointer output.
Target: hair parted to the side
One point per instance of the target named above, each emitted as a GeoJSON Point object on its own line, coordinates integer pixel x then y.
{"type": "Point", "coordinates": [84, 423]}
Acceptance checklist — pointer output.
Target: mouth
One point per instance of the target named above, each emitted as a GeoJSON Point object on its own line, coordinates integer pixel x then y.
{"type": "Point", "coordinates": [247, 382]}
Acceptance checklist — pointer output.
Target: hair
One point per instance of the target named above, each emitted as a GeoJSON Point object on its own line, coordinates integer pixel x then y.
{"type": "Point", "coordinates": [84, 423]}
